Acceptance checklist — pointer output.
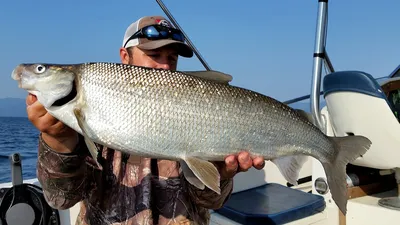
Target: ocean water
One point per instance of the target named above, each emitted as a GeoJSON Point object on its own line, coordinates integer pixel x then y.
{"type": "Point", "coordinates": [18, 135]}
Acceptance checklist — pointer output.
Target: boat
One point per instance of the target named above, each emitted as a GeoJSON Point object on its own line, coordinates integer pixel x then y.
{"type": "Point", "coordinates": [356, 103]}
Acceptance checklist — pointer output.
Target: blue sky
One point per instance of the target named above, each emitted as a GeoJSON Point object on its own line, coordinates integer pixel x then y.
{"type": "Point", "coordinates": [266, 46]}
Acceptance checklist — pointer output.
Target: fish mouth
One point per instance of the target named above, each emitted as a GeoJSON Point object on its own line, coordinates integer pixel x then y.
{"type": "Point", "coordinates": [24, 79]}
{"type": "Point", "coordinates": [16, 75]}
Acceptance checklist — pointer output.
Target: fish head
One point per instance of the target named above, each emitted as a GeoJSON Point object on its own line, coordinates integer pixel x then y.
{"type": "Point", "coordinates": [48, 82]}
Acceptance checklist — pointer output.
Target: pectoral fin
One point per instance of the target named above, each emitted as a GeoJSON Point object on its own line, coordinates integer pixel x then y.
{"type": "Point", "coordinates": [205, 173]}
{"type": "Point", "coordinates": [190, 176]}
{"type": "Point", "coordinates": [89, 143]}
{"type": "Point", "coordinates": [211, 75]}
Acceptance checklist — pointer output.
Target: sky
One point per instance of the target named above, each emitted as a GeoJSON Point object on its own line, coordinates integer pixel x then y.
{"type": "Point", "coordinates": [267, 46]}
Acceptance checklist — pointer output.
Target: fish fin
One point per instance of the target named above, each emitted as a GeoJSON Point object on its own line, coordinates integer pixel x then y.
{"type": "Point", "coordinates": [205, 171]}
{"type": "Point", "coordinates": [305, 115]}
{"type": "Point", "coordinates": [212, 75]}
{"type": "Point", "coordinates": [348, 149]}
{"type": "Point", "coordinates": [190, 176]}
{"type": "Point", "coordinates": [89, 143]}
{"type": "Point", "coordinates": [290, 166]}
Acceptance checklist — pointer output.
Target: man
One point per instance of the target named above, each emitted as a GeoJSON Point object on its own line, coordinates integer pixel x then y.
{"type": "Point", "coordinates": [129, 189]}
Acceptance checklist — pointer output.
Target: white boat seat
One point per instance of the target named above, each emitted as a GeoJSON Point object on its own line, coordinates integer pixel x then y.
{"type": "Point", "coordinates": [357, 105]}
{"type": "Point", "coordinates": [356, 81]}
{"type": "Point", "coordinates": [271, 203]}
{"type": "Point", "coordinates": [24, 203]}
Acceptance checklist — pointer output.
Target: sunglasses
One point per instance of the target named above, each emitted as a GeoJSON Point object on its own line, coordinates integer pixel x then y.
{"type": "Point", "coordinates": [157, 32]}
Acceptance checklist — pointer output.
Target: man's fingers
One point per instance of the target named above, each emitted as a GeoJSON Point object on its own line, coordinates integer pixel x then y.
{"type": "Point", "coordinates": [241, 163]}
{"type": "Point", "coordinates": [58, 128]}
{"type": "Point", "coordinates": [229, 167]}
{"type": "Point", "coordinates": [231, 163]}
{"type": "Point", "coordinates": [30, 99]}
{"type": "Point", "coordinates": [259, 162]}
{"type": "Point", "coordinates": [35, 111]}
{"type": "Point", "coordinates": [47, 122]}
{"type": "Point", "coordinates": [245, 161]}
{"type": "Point", "coordinates": [39, 117]}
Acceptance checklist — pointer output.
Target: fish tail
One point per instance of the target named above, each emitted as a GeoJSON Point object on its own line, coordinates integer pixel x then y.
{"type": "Point", "coordinates": [348, 149]}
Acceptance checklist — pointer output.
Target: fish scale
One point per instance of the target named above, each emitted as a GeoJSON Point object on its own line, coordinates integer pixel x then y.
{"type": "Point", "coordinates": [189, 110]}
{"type": "Point", "coordinates": [192, 117]}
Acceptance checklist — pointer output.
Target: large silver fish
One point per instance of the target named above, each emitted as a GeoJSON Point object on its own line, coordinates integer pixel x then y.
{"type": "Point", "coordinates": [191, 117]}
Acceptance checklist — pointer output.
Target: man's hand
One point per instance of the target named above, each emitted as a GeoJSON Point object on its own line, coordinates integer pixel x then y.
{"type": "Point", "coordinates": [241, 162]}
{"type": "Point", "coordinates": [57, 135]}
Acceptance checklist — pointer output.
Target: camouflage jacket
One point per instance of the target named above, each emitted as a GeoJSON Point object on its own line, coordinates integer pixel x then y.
{"type": "Point", "coordinates": [128, 190]}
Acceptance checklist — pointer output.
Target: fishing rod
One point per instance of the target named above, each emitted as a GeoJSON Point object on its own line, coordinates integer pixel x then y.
{"type": "Point", "coordinates": [172, 19]}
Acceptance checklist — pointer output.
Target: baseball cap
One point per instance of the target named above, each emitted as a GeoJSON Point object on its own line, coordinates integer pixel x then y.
{"type": "Point", "coordinates": [144, 43]}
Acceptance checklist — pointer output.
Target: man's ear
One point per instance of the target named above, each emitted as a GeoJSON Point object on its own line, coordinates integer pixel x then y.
{"type": "Point", "coordinates": [124, 55]}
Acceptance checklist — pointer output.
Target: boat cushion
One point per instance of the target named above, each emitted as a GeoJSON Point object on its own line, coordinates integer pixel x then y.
{"type": "Point", "coordinates": [271, 204]}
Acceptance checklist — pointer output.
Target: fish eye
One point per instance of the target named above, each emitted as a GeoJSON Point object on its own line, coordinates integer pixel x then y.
{"type": "Point", "coordinates": [40, 69]}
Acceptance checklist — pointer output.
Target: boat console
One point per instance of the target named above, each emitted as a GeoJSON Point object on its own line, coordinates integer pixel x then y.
{"type": "Point", "coordinates": [24, 203]}
{"type": "Point", "coordinates": [358, 105]}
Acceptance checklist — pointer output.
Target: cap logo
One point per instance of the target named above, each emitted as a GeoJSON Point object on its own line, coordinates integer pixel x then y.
{"type": "Point", "coordinates": [163, 23]}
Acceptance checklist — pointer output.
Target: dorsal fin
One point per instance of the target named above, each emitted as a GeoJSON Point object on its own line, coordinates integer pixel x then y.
{"type": "Point", "coordinates": [211, 75]}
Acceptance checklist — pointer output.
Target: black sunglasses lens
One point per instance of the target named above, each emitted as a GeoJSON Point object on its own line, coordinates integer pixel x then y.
{"type": "Point", "coordinates": [162, 32]}
{"type": "Point", "coordinates": [178, 37]}
{"type": "Point", "coordinates": [151, 32]}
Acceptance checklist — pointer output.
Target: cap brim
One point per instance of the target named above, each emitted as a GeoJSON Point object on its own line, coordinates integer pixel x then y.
{"type": "Point", "coordinates": [183, 49]}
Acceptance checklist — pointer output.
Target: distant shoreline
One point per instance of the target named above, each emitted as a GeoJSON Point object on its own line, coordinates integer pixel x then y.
{"type": "Point", "coordinates": [13, 107]}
